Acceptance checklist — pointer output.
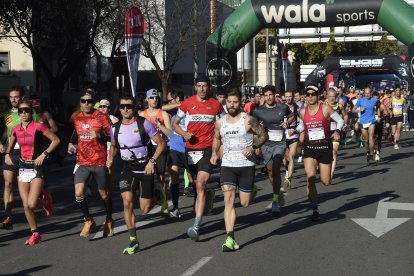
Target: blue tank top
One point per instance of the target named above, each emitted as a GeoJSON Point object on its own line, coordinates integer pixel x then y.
{"type": "Point", "coordinates": [177, 142]}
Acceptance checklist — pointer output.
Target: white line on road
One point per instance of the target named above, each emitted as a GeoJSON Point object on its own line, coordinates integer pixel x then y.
{"type": "Point", "coordinates": [121, 227]}
{"type": "Point", "coordinates": [194, 268]}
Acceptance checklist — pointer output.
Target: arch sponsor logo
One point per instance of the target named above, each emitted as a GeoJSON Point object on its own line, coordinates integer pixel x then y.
{"type": "Point", "coordinates": [291, 13]}
{"type": "Point", "coordinates": [219, 72]}
{"type": "Point", "coordinates": [412, 67]}
{"type": "Point", "coordinates": [361, 63]}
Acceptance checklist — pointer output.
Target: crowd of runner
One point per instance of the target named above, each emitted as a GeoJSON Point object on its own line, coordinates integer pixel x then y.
{"type": "Point", "coordinates": [183, 140]}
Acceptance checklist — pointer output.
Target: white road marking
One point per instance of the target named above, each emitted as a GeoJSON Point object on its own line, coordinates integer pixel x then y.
{"type": "Point", "coordinates": [381, 224]}
{"type": "Point", "coordinates": [194, 268]}
{"type": "Point", "coordinates": [140, 221]}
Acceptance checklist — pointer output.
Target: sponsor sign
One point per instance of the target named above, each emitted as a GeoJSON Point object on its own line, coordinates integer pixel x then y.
{"type": "Point", "coordinates": [220, 72]}
{"type": "Point", "coordinates": [309, 13]}
{"type": "Point", "coordinates": [360, 63]}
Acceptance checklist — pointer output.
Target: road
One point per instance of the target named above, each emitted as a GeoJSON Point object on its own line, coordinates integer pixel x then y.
{"type": "Point", "coordinates": [365, 229]}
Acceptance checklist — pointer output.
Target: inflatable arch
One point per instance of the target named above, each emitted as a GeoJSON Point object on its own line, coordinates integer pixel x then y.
{"type": "Point", "coordinates": [395, 16]}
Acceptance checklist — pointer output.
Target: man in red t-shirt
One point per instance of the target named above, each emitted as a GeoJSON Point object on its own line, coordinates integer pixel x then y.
{"type": "Point", "coordinates": [92, 128]}
{"type": "Point", "coordinates": [200, 112]}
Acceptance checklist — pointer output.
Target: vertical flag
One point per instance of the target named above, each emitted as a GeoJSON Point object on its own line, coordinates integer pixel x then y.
{"type": "Point", "coordinates": [134, 33]}
{"type": "Point", "coordinates": [284, 64]}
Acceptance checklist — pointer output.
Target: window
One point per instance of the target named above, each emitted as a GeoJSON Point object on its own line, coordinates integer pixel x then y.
{"type": "Point", "coordinates": [4, 63]}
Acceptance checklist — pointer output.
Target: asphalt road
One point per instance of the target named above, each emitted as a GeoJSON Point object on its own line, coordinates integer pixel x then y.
{"type": "Point", "coordinates": [365, 229]}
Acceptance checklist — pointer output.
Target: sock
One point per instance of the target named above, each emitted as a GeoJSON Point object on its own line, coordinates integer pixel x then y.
{"type": "Point", "coordinates": [108, 208]}
{"type": "Point", "coordinates": [197, 221]}
{"type": "Point", "coordinates": [230, 234]}
{"type": "Point", "coordinates": [132, 234]}
{"type": "Point", "coordinates": [175, 194]}
{"type": "Point", "coordinates": [186, 180]}
{"type": "Point", "coordinates": [314, 204]}
{"type": "Point", "coordinates": [275, 197]}
{"type": "Point", "coordinates": [83, 205]}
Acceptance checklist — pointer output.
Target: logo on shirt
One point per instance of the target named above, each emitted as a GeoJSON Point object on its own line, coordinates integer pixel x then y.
{"type": "Point", "coordinates": [135, 130]}
{"type": "Point", "coordinates": [85, 126]}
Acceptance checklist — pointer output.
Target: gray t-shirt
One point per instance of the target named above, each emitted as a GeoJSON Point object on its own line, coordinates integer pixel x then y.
{"type": "Point", "coordinates": [272, 118]}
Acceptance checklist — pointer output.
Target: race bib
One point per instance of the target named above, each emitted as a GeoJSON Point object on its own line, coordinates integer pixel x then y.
{"type": "Point", "coordinates": [397, 108]}
{"type": "Point", "coordinates": [26, 175]}
{"type": "Point", "coordinates": [366, 125]}
{"type": "Point", "coordinates": [275, 135]}
{"type": "Point", "coordinates": [316, 134]}
{"type": "Point", "coordinates": [195, 156]}
{"type": "Point", "coordinates": [333, 126]}
{"type": "Point", "coordinates": [234, 155]}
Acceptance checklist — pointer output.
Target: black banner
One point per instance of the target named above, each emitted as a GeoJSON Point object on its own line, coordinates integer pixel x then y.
{"type": "Point", "coordinates": [315, 13]}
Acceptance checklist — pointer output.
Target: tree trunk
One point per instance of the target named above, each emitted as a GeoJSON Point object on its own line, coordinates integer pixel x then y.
{"type": "Point", "coordinates": [56, 88]}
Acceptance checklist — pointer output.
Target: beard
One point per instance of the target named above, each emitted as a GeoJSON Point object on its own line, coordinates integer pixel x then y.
{"type": "Point", "coordinates": [233, 112]}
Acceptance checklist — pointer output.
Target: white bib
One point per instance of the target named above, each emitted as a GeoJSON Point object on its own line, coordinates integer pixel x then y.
{"type": "Point", "coordinates": [333, 126]}
{"type": "Point", "coordinates": [276, 135]}
{"type": "Point", "coordinates": [195, 156]}
{"type": "Point", "coordinates": [316, 134]}
{"type": "Point", "coordinates": [26, 175]}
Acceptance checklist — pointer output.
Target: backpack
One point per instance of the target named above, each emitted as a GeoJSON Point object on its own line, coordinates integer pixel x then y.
{"type": "Point", "coordinates": [145, 139]}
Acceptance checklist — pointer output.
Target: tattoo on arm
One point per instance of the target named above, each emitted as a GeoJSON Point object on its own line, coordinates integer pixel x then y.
{"type": "Point", "coordinates": [260, 132]}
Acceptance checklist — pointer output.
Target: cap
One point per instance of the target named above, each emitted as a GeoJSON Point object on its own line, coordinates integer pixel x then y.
{"type": "Point", "coordinates": [87, 94]}
{"type": "Point", "coordinates": [152, 93]}
{"type": "Point", "coordinates": [35, 102]}
{"type": "Point", "coordinates": [202, 78]}
{"type": "Point", "coordinates": [311, 87]}
{"type": "Point", "coordinates": [104, 102]}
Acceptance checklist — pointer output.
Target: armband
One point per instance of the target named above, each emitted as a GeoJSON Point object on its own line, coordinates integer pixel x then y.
{"type": "Point", "coordinates": [300, 128]}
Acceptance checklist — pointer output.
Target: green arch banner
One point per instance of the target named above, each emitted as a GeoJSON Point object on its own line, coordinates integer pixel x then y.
{"type": "Point", "coordinates": [395, 16]}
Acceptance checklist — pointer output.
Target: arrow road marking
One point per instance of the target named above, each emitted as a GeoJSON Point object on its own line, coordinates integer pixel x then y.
{"type": "Point", "coordinates": [119, 226]}
{"type": "Point", "coordinates": [381, 224]}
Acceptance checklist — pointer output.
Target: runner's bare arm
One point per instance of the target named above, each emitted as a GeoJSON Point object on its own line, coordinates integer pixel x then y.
{"type": "Point", "coordinates": [216, 142]}
{"type": "Point", "coordinates": [260, 134]}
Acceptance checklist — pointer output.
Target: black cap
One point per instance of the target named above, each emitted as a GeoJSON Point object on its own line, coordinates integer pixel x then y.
{"type": "Point", "coordinates": [202, 78]}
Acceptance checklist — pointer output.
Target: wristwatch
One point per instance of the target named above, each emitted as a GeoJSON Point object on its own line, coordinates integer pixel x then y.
{"type": "Point", "coordinates": [153, 161]}
{"type": "Point", "coordinates": [46, 154]}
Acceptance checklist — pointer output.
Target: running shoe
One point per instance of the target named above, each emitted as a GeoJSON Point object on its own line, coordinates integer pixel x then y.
{"type": "Point", "coordinates": [229, 245]}
{"type": "Point", "coordinates": [276, 207]}
{"type": "Point", "coordinates": [47, 201]}
{"type": "Point", "coordinates": [88, 227]}
{"type": "Point", "coordinates": [132, 248]}
{"type": "Point", "coordinates": [192, 232]}
{"type": "Point", "coordinates": [369, 158]}
{"type": "Point", "coordinates": [396, 146]}
{"type": "Point", "coordinates": [288, 182]}
{"type": "Point", "coordinates": [6, 224]}
{"type": "Point", "coordinates": [377, 157]}
{"type": "Point", "coordinates": [315, 216]}
{"type": "Point", "coordinates": [108, 229]}
{"type": "Point", "coordinates": [175, 213]}
{"type": "Point", "coordinates": [34, 239]}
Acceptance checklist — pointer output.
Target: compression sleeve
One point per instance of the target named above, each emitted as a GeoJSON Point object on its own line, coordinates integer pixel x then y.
{"type": "Point", "coordinates": [301, 127]}
{"type": "Point", "coordinates": [338, 119]}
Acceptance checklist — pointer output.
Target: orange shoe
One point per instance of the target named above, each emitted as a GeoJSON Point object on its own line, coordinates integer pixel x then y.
{"type": "Point", "coordinates": [88, 227]}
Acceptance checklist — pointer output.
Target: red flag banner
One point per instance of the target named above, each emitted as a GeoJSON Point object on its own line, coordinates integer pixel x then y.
{"type": "Point", "coordinates": [134, 33]}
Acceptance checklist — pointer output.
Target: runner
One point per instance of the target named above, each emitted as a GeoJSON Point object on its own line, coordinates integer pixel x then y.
{"type": "Point", "coordinates": [92, 128]}
{"type": "Point", "coordinates": [161, 120]}
{"type": "Point", "coordinates": [335, 104]}
{"type": "Point", "coordinates": [31, 165]}
{"type": "Point", "coordinates": [317, 145]}
{"type": "Point", "coordinates": [272, 115]}
{"type": "Point", "coordinates": [370, 114]}
{"type": "Point", "coordinates": [384, 113]}
{"type": "Point", "coordinates": [398, 107]}
{"type": "Point", "coordinates": [132, 137]}
{"type": "Point", "coordinates": [200, 111]}
{"type": "Point", "coordinates": [292, 140]}
{"type": "Point", "coordinates": [254, 101]}
{"type": "Point", "coordinates": [235, 131]}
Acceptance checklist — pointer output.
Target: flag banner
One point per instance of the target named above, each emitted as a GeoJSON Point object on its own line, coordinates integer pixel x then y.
{"type": "Point", "coordinates": [134, 33]}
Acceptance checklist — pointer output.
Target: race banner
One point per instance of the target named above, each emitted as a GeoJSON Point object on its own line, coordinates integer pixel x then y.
{"type": "Point", "coordinates": [134, 33]}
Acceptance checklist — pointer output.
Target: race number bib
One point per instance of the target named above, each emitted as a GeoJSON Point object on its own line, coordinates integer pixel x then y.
{"type": "Point", "coordinates": [26, 175]}
{"type": "Point", "coordinates": [333, 126]}
{"type": "Point", "coordinates": [397, 108]}
{"type": "Point", "coordinates": [275, 135]}
{"type": "Point", "coordinates": [195, 156]}
{"type": "Point", "coordinates": [316, 134]}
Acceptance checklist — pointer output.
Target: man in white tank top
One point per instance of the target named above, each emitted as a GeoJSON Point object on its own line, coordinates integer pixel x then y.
{"type": "Point", "coordinates": [235, 131]}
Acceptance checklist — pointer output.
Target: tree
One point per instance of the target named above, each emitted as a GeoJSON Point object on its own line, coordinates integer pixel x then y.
{"type": "Point", "coordinates": [58, 33]}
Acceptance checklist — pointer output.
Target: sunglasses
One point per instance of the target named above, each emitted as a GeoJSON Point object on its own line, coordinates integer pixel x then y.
{"type": "Point", "coordinates": [153, 98]}
{"type": "Point", "coordinates": [311, 94]}
{"type": "Point", "coordinates": [24, 110]}
{"type": "Point", "coordinates": [86, 101]}
{"type": "Point", "coordinates": [103, 106]}
{"type": "Point", "coordinates": [170, 101]}
{"type": "Point", "coordinates": [127, 106]}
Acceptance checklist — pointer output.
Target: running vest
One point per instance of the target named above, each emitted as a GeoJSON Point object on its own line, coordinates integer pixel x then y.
{"type": "Point", "coordinates": [235, 140]}
{"type": "Point", "coordinates": [317, 127]}
{"type": "Point", "coordinates": [397, 106]}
